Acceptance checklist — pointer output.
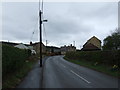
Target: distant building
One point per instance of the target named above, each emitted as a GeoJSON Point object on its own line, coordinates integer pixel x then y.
{"type": "Point", "coordinates": [52, 50]}
{"type": "Point", "coordinates": [20, 46]}
{"type": "Point", "coordinates": [92, 44]}
{"type": "Point", "coordinates": [65, 49]}
{"type": "Point", "coordinates": [36, 47]}
{"type": "Point", "coordinates": [31, 48]}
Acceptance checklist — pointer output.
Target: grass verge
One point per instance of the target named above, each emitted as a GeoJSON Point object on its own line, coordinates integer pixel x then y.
{"type": "Point", "coordinates": [99, 67]}
{"type": "Point", "coordinates": [13, 79]}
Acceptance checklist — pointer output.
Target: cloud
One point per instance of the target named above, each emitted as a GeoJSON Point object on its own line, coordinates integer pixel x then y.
{"type": "Point", "coordinates": [19, 20]}
{"type": "Point", "coordinates": [67, 22]}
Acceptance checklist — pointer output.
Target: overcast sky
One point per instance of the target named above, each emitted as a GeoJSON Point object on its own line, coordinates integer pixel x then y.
{"type": "Point", "coordinates": [67, 22]}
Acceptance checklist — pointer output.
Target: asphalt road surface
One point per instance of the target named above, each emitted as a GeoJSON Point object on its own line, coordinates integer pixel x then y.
{"type": "Point", "coordinates": [59, 73]}
{"type": "Point", "coordinates": [34, 77]}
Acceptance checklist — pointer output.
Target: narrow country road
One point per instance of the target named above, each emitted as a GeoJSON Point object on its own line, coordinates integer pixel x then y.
{"type": "Point", "coordinates": [59, 73]}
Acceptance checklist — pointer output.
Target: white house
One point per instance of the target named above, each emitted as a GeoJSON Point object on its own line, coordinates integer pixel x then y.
{"type": "Point", "coordinates": [21, 46]}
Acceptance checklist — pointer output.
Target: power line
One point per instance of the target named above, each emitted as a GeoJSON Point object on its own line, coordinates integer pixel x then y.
{"type": "Point", "coordinates": [42, 6]}
{"type": "Point", "coordinates": [33, 32]}
{"type": "Point", "coordinates": [42, 10]}
{"type": "Point", "coordinates": [44, 31]}
{"type": "Point", "coordinates": [39, 5]}
{"type": "Point", "coordinates": [31, 36]}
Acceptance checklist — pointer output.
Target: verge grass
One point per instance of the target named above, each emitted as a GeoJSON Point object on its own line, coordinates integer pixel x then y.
{"type": "Point", "coordinates": [99, 67]}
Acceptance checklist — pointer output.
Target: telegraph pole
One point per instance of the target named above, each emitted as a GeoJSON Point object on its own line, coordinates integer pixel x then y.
{"type": "Point", "coordinates": [46, 43]}
{"type": "Point", "coordinates": [73, 43]}
{"type": "Point", "coordinates": [46, 46]}
{"type": "Point", "coordinates": [40, 27]}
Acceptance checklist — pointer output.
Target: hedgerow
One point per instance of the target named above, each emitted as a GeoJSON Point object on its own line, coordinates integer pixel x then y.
{"type": "Point", "coordinates": [102, 57]}
{"type": "Point", "coordinates": [13, 59]}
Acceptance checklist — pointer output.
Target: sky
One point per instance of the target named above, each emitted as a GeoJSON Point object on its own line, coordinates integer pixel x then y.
{"type": "Point", "coordinates": [67, 22]}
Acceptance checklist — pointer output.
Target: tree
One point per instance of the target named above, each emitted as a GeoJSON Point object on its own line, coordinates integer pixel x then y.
{"type": "Point", "coordinates": [112, 42]}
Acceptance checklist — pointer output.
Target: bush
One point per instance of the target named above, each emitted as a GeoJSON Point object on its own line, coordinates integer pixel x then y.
{"type": "Point", "coordinates": [103, 57]}
{"type": "Point", "coordinates": [13, 59]}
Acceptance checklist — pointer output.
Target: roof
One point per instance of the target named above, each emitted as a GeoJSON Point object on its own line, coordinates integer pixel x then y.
{"type": "Point", "coordinates": [21, 46]}
{"type": "Point", "coordinates": [68, 46]}
{"type": "Point", "coordinates": [49, 47]}
{"type": "Point", "coordinates": [91, 39]}
{"type": "Point", "coordinates": [95, 38]}
{"type": "Point", "coordinates": [37, 43]}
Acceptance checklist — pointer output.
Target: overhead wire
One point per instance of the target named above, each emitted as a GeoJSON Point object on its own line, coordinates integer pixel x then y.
{"type": "Point", "coordinates": [31, 36]}
{"type": "Point", "coordinates": [44, 31]}
{"type": "Point", "coordinates": [42, 9]}
{"type": "Point", "coordinates": [33, 32]}
{"type": "Point", "coordinates": [42, 6]}
{"type": "Point", "coordinates": [37, 23]}
{"type": "Point", "coordinates": [39, 5]}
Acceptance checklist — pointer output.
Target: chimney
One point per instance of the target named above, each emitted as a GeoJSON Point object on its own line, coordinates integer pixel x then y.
{"type": "Point", "coordinates": [30, 43]}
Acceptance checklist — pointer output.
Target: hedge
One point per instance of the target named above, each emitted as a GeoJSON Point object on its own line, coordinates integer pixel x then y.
{"type": "Point", "coordinates": [13, 59]}
{"type": "Point", "coordinates": [102, 57]}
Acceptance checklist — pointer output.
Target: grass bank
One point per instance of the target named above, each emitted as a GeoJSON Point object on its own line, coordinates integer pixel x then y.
{"type": "Point", "coordinates": [92, 60]}
{"type": "Point", "coordinates": [13, 79]}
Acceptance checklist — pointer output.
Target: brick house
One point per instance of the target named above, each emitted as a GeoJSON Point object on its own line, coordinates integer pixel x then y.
{"type": "Point", "coordinates": [92, 44]}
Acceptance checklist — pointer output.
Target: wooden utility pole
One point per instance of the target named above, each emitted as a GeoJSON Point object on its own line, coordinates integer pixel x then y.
{"type": "Point", "coordinates": [73, 43]}
{"type": "Point", "coordinates": [40, 27]}
{"type": "Point", "coordinates": [46, 43]}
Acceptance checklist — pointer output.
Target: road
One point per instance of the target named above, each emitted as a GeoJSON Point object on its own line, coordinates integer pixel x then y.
{"type": "Point", "coordinates": [59, 73]}
{"type": "Point", "coordinates": [34, 78]}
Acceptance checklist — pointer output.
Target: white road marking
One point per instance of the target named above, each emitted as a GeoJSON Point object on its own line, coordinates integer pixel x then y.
{"type": "Point", "coordinates": [80, 76]}
{"type": "Point", "coordinates": [63, 66]}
